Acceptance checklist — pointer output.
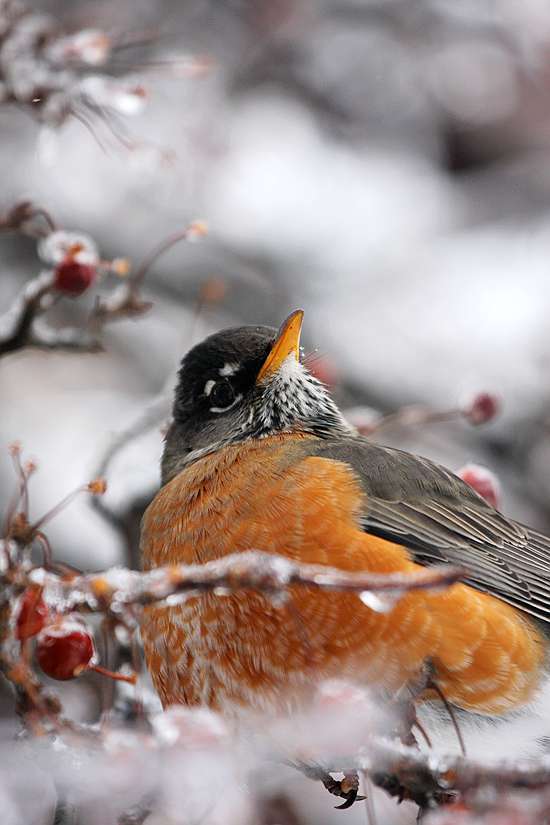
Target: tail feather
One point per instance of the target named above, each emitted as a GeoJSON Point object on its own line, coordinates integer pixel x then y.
{"type": "Point", "coordinates": [497, 667]}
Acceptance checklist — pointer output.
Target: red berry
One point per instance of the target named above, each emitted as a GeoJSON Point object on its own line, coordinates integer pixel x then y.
{"type": "Point", "coordinates": [32, 614]}
{"type": "Point", "coordinates": [65, 649]}
{"type": "Point", "coordinates": [73, 278]}
{"type": "Point", "coordinates": [483, 481]}
{"type": "Point", "coordinates": [483, 407]}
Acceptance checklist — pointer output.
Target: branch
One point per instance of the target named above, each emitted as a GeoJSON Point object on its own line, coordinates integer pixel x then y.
{"type": "Point", "coordinates": [20, 326]}
{"type": "Point", "coordinates": [252, 570]}
{"type": "Point", "coordinates": [476, 409]}
{"type": "Point", "coordinates": [425, 778]}
{"type": "Point", "coordinates": [16, 325]}
{"type": "Point", "coordinates": [126, 300]}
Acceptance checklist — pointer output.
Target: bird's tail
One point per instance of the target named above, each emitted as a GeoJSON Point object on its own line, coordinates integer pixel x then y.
{"type": "Point", "coordinates": [488, 656]}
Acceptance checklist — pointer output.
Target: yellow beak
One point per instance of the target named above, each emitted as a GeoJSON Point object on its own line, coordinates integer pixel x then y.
{"type": "Point", "coordinates": [286, 343]}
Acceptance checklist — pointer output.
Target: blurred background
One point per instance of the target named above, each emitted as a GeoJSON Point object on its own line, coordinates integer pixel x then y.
{"type": "Point", "coordinates": [384, 165]}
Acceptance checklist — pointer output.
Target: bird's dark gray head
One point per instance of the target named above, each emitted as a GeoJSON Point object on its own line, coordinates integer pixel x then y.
{"type": "Point", "coordinates": [241, 383]}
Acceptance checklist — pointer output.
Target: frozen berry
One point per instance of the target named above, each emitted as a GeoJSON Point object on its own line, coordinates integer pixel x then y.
{"type": "Point", "coordinates": [481, 408]}
{"type": "Point", "coordinates": [32, 614]}
{"type": "Point", "coordinates": [65, 648]}
{"type": "Point", "coordinates": [73, 278]}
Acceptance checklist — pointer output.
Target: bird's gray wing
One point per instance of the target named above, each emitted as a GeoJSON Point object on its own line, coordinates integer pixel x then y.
{"type": "Point", "coordinates": [426, 508]}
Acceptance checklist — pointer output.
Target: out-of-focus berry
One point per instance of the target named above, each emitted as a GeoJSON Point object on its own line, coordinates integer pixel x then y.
{"type": "Point", "coordinates": [65, 649]}
{"type": "Point", "coordinates": [483, 481]}
{"type": "Point", "coordinates": [481, 408]}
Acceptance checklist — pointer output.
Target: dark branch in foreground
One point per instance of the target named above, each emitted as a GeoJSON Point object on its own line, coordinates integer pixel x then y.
{"type": "Point", "coordinates": [427, 779]}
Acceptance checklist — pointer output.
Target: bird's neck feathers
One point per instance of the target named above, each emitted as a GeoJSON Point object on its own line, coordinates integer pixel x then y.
{"type": "Point", "coordinates": [292, 401]}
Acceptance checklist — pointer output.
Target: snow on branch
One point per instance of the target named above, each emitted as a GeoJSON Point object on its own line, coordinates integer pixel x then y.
{"type": "Point", "coordinates": [424, 776]}
{"type": "Point", "coordinates": [428, 779]}
{"type": "Point", "coordinates": [252, 570]}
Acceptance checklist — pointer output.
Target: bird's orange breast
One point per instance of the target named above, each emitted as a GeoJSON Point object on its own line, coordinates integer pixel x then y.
{"type": "Point", "coordinates": [243, 649]}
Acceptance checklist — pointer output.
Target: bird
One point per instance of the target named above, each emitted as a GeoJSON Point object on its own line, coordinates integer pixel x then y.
{"type": "Point", "coordinates": [259, 456]}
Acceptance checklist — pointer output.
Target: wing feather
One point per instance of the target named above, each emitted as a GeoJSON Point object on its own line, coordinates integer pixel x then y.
{"type": "Point", "coordinates": [419, 504]}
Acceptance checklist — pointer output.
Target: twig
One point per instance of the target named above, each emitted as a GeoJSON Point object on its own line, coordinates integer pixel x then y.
{"type": "Point", "coordinates": [16, 326]}
{"type": "Point", "coordinates": [126, 300]}
{"type": "Point", "coordinates": [477, 409]}
{"type": "Point", "coordinates": [427, 779]}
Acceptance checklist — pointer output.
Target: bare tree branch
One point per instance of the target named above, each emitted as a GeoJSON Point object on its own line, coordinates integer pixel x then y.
{"type": "Point", "coordinates": [16, 325]}
{"type": "Point", "coordinates": [425, 778]}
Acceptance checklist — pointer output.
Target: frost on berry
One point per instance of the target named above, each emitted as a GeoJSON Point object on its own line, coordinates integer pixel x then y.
{"type": "Point", "coordinates": [32, 614]}
{"type": "Point", "coordinates": [65, 648]}
{"type": "Point", "coordinates": [481, 408]}
{"type": "Point", "coordinates": [61, 244]}
{"type": "Point", "coordinates": [483, 482]}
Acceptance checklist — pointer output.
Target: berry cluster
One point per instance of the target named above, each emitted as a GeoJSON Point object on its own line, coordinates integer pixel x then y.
{"type": "Point", "coordinates": [64, 644]}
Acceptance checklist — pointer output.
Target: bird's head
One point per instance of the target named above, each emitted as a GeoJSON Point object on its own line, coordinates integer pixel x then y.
{"type": "Point", "coordinates": [242, 383]}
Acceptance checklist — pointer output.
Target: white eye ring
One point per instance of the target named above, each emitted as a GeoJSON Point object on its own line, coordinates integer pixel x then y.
{"type": "Point", "coordinates": [225, 409]}
{"type": "Point", "coordinates": [208, 387]}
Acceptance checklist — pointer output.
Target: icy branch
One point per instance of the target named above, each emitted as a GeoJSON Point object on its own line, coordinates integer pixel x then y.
{"type": "Point", "coordinates": [426, 778]}
{"type": "Point", "coordinates": [253, 570]}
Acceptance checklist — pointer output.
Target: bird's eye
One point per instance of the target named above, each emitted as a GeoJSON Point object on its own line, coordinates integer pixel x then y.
{"type": "Point", "coordinates": [221, 396]}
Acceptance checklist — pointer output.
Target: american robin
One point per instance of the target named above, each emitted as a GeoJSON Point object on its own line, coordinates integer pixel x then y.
{"type": "Point", "coordinates": [258, 456]}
